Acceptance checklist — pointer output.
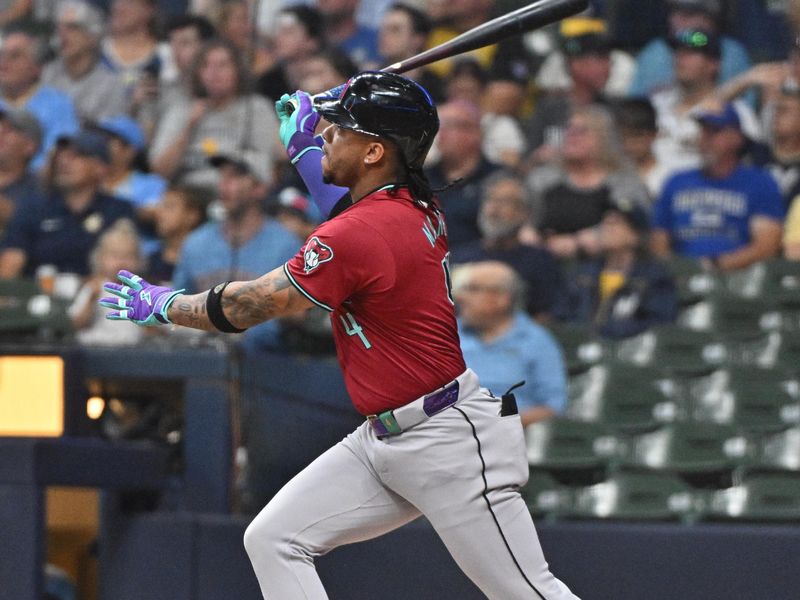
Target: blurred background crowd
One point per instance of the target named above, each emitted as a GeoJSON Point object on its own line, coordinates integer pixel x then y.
{"type": "Point", "coordinates": [630, 169]}
{"type": "Point", "coordinates": [621, 188]}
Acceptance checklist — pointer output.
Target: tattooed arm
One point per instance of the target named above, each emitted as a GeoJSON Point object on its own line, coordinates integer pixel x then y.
{"type": "Point", "coordinates": [245, 303]}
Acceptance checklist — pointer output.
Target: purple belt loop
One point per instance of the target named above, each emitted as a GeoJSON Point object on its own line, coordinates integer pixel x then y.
{"type": "Point", "coordinates": [440, 400]}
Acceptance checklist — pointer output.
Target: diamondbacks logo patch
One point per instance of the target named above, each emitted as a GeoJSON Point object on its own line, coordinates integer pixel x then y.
{"type": "Point", "coordinates": [315, 254]}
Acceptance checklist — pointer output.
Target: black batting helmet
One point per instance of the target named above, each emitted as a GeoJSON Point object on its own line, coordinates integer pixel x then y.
{"type": "Point", "coordinates": [386, 105]}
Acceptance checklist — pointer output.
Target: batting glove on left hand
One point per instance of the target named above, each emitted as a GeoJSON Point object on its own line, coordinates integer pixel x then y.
{"type": "Point", "coordinates": [138, 301]}
{"type": "Point", "coordinates": [297, 129]}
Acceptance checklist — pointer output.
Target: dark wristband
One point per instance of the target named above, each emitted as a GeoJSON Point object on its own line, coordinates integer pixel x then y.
{"type": "Point", "coordinates": [215, 313]}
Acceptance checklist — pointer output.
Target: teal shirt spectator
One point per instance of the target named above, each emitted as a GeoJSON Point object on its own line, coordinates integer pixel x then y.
{"type": "Point", "coordinates": [56, 114]}
{"type": "Point", "coordinates": [208, 259]}
{"type": "Point", "coordinates": [527, 352]}
{"type": "Point", "coordinates": [654, 67]}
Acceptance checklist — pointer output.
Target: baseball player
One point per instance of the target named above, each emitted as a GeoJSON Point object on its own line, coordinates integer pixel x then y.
{"type": "Point", "coordinates": [433, 441]}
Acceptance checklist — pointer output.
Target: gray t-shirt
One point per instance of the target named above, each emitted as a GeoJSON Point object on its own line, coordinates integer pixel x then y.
{"type": "Point", "coordinates": [247, 125]}
{"type": "Point", "coordinates": [96, 95]}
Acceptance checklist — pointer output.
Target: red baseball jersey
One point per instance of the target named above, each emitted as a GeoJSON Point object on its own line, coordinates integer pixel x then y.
{"type": "Point", "coordinates": [380, 268]}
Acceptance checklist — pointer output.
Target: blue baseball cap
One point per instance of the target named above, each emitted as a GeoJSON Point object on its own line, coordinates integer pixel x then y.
{"type": "Point", "coordinates": [124, 128]}
{"type": "Point", "coordinates": [89, 143]}
{"type": "Point", "coordinates": [728, 117]}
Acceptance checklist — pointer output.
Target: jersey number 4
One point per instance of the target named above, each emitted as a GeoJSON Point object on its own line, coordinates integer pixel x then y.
{"type": "Point", "coordinates": [351, 328]}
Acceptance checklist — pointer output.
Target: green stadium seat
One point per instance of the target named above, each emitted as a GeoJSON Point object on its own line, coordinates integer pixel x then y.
{"type": "Point", "coordinates": [781, 281]}
{"type": "Point", "coordinates": [779, 451]}
{"type": "Point", "coordinates": [691, 279]}
{"type": "Point", "coordinates": [25, 312]}
{"type": "Point", "coordinates": [731, 315]}
{"type": "Point", "coordinates": [758, 497]}
{"type": "Point", "coordinates": [674, 349]}
{"type": "Point", "coordinates": [754, 400]}
{"type": "Point", "coordinates": [630, 495]}
{"type": "Point", "coordinates": [544, 495]}
{"type": "Point", "coordinates": [623, 397]}
{"type": "Point", "coordinates": [580, 346]}
{"type": "Point", "coordinates": [562, 444]}
{"type": "Point", "coordinates": [687, 448]}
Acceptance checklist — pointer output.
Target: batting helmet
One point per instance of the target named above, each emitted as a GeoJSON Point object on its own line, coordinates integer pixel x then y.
{"type": "Point", "coordinates": [386, 105]}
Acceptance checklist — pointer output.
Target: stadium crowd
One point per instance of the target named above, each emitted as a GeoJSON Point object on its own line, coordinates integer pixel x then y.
{"type": "Point", "coordinates": [590, 157]}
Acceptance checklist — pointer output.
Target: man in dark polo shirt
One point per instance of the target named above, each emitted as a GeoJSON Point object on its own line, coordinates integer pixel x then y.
{"type": "Point", "coordinates": [62, 229]}
{"type": "Point", "coordinates": [20, 137]}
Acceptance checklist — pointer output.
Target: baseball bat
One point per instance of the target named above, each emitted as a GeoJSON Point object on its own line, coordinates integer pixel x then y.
{"type": "Point", "coordinates": [533, 16]}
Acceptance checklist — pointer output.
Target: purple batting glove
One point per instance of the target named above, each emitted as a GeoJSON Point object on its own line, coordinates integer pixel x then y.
{"type": "Point", "coordinates": [138, 301]}
{"type": "Point", "coordinates": [297, 125]}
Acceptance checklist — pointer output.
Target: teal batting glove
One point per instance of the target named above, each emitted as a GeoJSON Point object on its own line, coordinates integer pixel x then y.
{"type": "Point", "coordinates": [297, 124]}
{"type": "Point", "coordinates": [138, 301]}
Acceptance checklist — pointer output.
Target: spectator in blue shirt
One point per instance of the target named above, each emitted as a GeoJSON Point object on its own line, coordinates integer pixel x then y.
{"type": "Point", "coordinates": [244, 245]}
{"type": "Point", "coordinates": [654, 65]}
{"type": "Point", "coordinates": [728, 214]}
{"type": "Point", "coordinates": [63, 229]}
{"type": "Point", "coordinates": [503, 345]}
{"type": "Point", "coordinates": [22, 56]}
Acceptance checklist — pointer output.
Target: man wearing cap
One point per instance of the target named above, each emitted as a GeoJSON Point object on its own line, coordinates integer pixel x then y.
{"type": "Point", "coordinates": [586, 49]}
{"type": "Point", "coordinates": [654, 63]}
{"type": "Point", "coordinates": [725, 213]}
{"type": "Point", "coordinates": [697, 63]}
{"type": "Point", "coordinates": [244, 244]}
{"type": "Point", "coordinates": [20, 136]}
{"type": "Point", "coordinates": [124, 179]}
{"type": "Point", "coordinates": [624, 291]}
{"type": "Point", "coordinates": [78, 71]}
{"type": "Point", "coordinates": [62, 229]}
{"type": "Point", "coordinates": [585, 36]}
{"type": "Point", "coordinates": [22, 55]}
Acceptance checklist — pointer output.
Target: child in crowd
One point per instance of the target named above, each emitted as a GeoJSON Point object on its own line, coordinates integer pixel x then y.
{"type": "Point", "coordinates": [118, 248]}
{"type": "Point", "coordinates": [181, 210]}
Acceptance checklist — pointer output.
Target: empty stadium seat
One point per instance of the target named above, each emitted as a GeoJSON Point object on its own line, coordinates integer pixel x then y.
{"type": "Point", "coordinates": [633, 495]}
{"type": "Point", "coordinates": [581, 348]}
{"type": "Point", "coordinates": [691, 279]}
{"type": "Point", "coordinates": [674, 349]}
{"type": "Point", "coordinates": [622, 396]}
{"type": "Point", "coordinates": [544, 495]}
{"type": "Point", "coordinates": [25, 312]}
{"type": "Point", "coordinates": [779, 451]}
{"type": "Point", "coordinates": [759, 497]}
{"type": "Point", "coordinates": [731, 315]}
{"type": "Point", "coordinates": [687, 448]}
{"type": "Point", "coordinates": [751, 399]}
{"type": "Point", "coordinates": [563, 444]}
